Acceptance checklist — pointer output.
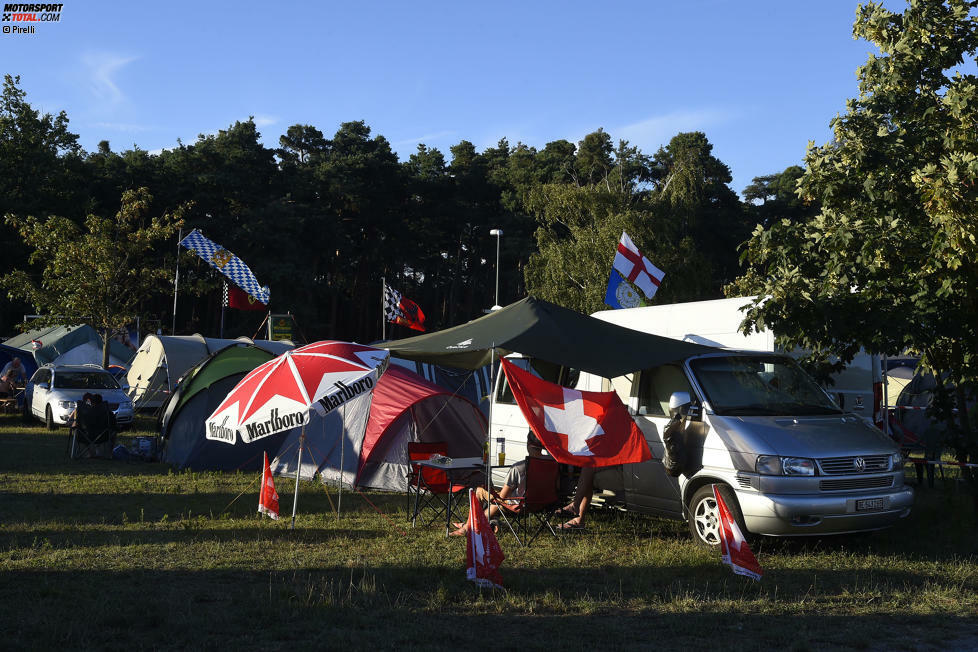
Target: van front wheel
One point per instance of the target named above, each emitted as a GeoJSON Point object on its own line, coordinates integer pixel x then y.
{"type": "Point", "coordinates": [704, 517]}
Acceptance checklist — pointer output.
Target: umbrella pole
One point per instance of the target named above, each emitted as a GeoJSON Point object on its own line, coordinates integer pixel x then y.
{"type": "Point", "coordinates": [298, 470]}
{"type": "Point", "coordinates": [339, 500]}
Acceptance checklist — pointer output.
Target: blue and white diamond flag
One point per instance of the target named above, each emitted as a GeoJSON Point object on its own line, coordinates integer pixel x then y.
{"type": "Point", "coordinates": [226, 263]}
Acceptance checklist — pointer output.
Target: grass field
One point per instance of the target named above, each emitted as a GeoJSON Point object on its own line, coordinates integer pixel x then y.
{"type": "Point", "coordinates": [115, 555]}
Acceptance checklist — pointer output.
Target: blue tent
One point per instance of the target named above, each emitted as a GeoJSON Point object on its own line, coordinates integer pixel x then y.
{"type": "Point", "coordinates": [8, 353]}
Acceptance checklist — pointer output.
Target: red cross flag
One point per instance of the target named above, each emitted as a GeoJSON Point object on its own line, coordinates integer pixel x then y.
{"type": "Point", "coordinates": [635, 267]}
{"type": "Point", "coordinates": [578, 428]}
{"type": "Point", "coordinates": [268, 497]}
{"type": "Point", "coordinates": [734, 551]}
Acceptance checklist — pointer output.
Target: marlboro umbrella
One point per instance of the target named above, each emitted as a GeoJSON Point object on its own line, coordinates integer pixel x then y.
{"type": "Point", "coordinates": [277, 395]}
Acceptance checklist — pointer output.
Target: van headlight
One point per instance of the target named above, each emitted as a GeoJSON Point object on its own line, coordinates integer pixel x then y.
{"type": "Point", "coordinates": [774, 465]}
{"type": "Point", "coordinates": [896, 461]}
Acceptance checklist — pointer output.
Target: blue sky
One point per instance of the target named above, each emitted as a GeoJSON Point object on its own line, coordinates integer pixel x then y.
{"type": "Point", "coordinates": [761, 78]}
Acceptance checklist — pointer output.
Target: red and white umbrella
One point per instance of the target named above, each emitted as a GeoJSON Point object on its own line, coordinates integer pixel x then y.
{"type": "Point", "coordinates": [277, 395]}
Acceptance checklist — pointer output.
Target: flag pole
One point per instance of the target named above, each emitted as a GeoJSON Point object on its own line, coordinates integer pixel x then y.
{"type": "Point", "coordinates": [298, 469]}
{"type": "Point", "coordinates": [339, 499]}
{"type": "Point", "coordinates": [224, 303]}
{"type": "Point", "coordinates": [176, 284]}
{"type": "Point", "coordinates": [383, 305]}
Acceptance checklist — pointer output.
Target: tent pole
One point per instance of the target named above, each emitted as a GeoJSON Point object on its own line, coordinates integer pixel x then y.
{"type": "Point", "coordinates": [339, 499]}
{"type": "Point", "coordinates": [298, 469]}
{"type": "Point", "coordinates": [224, 302]}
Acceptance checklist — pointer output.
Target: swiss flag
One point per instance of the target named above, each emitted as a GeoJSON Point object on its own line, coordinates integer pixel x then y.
{"type": "Point", "coordinates": [577, 428]}
{"type": "Point", "coordinates": [483, 556]}
{"type": "Point", "coordinates": [734, 551]}
{"type": "Point", "coordinates": [241, 300]}
{"type": "Point", "coordinates": [268, 497]}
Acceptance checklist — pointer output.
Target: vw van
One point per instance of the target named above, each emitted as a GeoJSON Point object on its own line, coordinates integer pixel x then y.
{"type": "Point", "coordinates": [788, 459]}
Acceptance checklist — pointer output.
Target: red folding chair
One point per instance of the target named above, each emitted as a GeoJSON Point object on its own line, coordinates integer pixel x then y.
{"type": "Point", "coordinates": [431, 488]}
{"type": "Point", "coordinates": [541, 500]}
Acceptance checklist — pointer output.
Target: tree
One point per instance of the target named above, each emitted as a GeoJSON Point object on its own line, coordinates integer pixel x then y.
{"type": "Point", "coordinates": [774, 197]}
{"type": "Point", "coordinates": [98, 274]}
{"type": "Point", "coordinates": [890, 263]}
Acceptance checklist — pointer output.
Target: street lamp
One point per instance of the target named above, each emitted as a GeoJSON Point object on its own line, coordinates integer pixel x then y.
{"type": "Point", "coordinates": [498, 233]}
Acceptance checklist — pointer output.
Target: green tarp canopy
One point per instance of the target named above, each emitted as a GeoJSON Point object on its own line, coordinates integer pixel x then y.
{"type": "Point", "coordinates": [543, 330]}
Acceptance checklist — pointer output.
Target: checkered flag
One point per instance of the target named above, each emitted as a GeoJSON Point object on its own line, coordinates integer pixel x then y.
{"type": "Point", "coordinates": [226, 263]}
{"type": "Point", "coordinates": [399, 310]}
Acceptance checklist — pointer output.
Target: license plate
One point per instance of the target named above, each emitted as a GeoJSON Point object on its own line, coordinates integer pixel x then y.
{"type": "Point", "coordinates": [870, 504]}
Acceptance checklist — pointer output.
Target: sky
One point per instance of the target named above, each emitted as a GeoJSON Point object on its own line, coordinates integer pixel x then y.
{"type": "Point", "coordinates": [760, 78]}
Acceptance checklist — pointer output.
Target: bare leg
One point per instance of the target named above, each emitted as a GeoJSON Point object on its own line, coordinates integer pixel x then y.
{"type": "Point", "coordinates": [582, 497]}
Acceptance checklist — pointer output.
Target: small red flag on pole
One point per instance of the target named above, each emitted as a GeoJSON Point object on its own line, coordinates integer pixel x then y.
{"type": "Point", "coordinates": [268, 498]}
{"type": "Point", "coordinates": [482, 552]}
{"type": "Point", "coordinates": [734, 551]}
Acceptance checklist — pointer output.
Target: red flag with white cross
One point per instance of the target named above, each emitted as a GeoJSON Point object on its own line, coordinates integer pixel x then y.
{"type": "Point", "coordinates": [268, 498]}
{"type": "Point", "coordinates": [734, 551]}
{"type": "Point", "coordinates": [577, 427]}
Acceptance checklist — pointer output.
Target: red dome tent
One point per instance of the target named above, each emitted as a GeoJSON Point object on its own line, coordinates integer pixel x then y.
{"type": "Point", "coordinates": [405, 407]}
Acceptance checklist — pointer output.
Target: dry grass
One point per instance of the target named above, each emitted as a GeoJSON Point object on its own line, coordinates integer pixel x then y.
{"type": "Point", "coordinates": [99, 554]}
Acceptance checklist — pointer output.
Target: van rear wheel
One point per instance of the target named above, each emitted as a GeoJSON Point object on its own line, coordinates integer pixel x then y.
{"type": "Point", "coordinates": [704, 517]}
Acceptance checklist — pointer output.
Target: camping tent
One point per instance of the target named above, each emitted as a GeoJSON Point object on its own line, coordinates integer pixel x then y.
{"type": "Point", "coordinates": [162, 359]}
{"type": "Point", "coordinates": [549, 332]}
{"type": "Point", "coordinates": [8, 353]}
{"type": "Point", "coordinates": [69, 345]}
{"type": "Point", "coordinates": [366, 444]}
{"type": "Point", "coordinates": [196, 397]}
{"type": "Point", "coordinates": [473, 384]}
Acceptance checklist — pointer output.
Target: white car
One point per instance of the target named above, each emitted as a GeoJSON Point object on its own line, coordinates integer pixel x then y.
{"type": "Point", "coordinates": [54, 390]}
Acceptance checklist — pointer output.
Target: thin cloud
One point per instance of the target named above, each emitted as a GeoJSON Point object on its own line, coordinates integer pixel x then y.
{"type": "Point", "coordinates": [262, 120]}
{"type": "Point", "coordinates": [102, 68]}
{"type": "Point", "coordinates": [659, 129]}
{"type": "Point", "coordinates": [122, 126]}
{"type": "Point", "coordinates": [438, 135]}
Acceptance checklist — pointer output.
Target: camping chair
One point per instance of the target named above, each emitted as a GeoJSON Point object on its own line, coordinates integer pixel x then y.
{"type": "Point", "coordinates": [430, 487]}
{"type": "Point", "coordinates": [541, 500]}
{"type": "Point", "coordinates": [95, 432]}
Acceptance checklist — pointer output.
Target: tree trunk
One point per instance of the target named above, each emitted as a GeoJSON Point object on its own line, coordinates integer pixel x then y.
{"type": "Point", "coordinates": [105, 348]}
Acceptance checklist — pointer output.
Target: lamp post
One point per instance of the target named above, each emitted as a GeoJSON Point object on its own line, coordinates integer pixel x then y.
{"type": "Point", "coordinates": [498, 233]}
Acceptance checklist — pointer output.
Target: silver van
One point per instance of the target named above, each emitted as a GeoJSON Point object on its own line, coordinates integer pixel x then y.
{"type": "Point", "coordinates": [788, 459]}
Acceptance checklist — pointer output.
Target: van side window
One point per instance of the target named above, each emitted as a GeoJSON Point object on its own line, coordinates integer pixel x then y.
{"type": "Point", "coordinates": [656, 385]}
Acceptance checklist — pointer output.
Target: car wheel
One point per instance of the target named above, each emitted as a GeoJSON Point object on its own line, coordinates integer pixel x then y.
{"type": "Point", "coordinates": [49, 419]}
{"type": "Point", "coordinates": [704, 517]}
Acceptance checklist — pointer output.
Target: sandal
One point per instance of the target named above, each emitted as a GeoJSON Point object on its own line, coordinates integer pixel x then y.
{"type": "Point", "coordinates": [569, 527]}
{"type": "Point", "coordinates": [569, 510]}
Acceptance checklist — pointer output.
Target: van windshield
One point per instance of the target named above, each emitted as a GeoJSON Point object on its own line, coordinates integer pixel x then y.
{"type": "Point", "coordinates": [746, 385]}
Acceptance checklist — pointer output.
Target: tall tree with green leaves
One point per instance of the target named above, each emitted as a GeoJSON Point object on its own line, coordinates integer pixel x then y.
{"type": "Point", "coordinates": [98, 274]}
{"type": "Point", "coordinates": [891, 261]}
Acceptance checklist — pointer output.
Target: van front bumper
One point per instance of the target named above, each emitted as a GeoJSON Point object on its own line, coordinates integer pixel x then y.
{"type": "Point", "coordinates": [806, 514]}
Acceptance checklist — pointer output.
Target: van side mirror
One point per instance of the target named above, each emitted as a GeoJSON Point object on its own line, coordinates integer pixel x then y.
{"type": "Point", "coordinates": [43, 386]}
{"type": "Point", "coordinates": [679, 403]}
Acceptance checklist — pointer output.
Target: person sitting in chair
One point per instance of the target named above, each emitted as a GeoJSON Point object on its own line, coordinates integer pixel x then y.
{"type": "Point", "coordinates": [7, 386]}
{"type": "Point", "coordinates": [513, 487]}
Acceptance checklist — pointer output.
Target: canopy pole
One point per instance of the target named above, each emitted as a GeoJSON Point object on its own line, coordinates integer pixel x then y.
{"type": "Point", "coordinates": [298, 469]}
{"type": "Point", "coordinates": [492, 391]}
{"type": "Point", "coordinates": [339, 499]}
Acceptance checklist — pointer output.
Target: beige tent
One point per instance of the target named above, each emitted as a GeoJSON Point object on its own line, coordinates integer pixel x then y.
{"type": "Point", "coordinates": [162, 359]}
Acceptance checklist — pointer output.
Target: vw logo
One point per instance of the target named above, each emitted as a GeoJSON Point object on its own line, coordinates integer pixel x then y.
{"type": "Point", "coordinates": [860, 464]}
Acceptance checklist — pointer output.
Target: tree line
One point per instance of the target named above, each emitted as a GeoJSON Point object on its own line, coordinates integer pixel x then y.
{"type": "Point", "coordinates": [321, 219]}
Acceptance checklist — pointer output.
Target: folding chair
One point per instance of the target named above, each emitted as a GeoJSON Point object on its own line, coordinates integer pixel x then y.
{"type": "Point", "coordinates": [95, 432]}
{"type": "Point", "coordinates": [541, 500]}
{"type": "Point", "coordinates": [430, 487]}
